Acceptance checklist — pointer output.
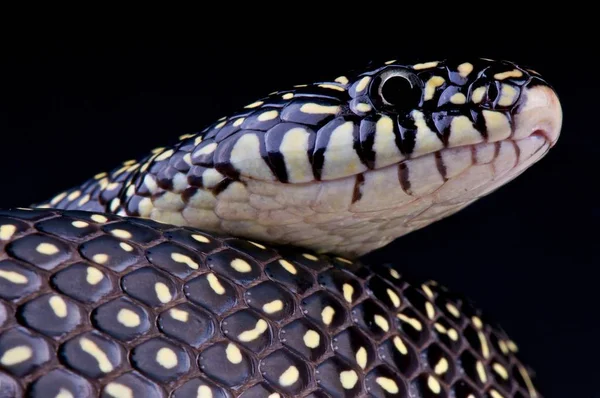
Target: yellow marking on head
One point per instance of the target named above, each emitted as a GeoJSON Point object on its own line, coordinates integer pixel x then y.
{"type": "Point", "coordinates": [332, 87]}
{"type": "Point", "coordinates": [430, 310]}
{"type": "Point", "coordinates": [426, 65]}
{"type": "Point", "coordinates": [287, 96]}
{"type": "Point", "coordinates": [7, 231]}
{"type": "Point", "coordinates": [481, 372]}
{"type": "Point", "coordinates": [218, 126]}
{"type": "Point", "coordinates": [465, 69]}
{"type": "Point", "coordinates": [453, 310]}
{"type": "Point", "coordinates": [234, 355]}
{"type": "Point", "coordinates": [207, 149]}
{"type": "Point", "coordinates": [497, 125]}
{"type": "Point", "coordinates": [214, 284]}
{"type": "Point", "coordinates": [458, 99]}
{"type": "Point", "coordinates": [382, 323]}
{"type": "Point", "coordinates": [185, 136]}
{"type": "Point", "coordinates": [258, 245]}
{"type": "Point", "coordinates": [198, 140]}
{"type": "Point", "coordinates": [103, 183]}
{"type": "Point", "coordinates": [16, 355]}
{"type": "Point", "coordinates": [441, 367]}
{"type": "Point", "coordinates": [179, 315]}
{"type": "Point", "coordinates": [238, 122]}
{"type": "Point", "coordinates": [400, 346]}
{"type": "Point", "coordinates": [112, 186]}
{"type": "Point", "coordinates": [128, 318]}
{"type": "Point", "coordinates": [289, 267]}
{"type": "Point", "coordinates": [394, 273]}
{"type": "Point", "coordinates": [348, 292]}
{"type": "Point", "coordinates": [73, 195]}
{"type": "Point", "coordinates": [59, 197]}
{"type": "Point", "coordinates": [253, 334]}
{"type": "Point", "coordinates": [389, 62]}
{"type": "Point", "coordinates": [241, 265]}
{"type": "Point", "coordinates": [508, 95]}
{"type": "Point", "coordinates": [166, 358]}
{"type": "Point", "coordinates": [268, 115]}
{"type": "Point", "coordinates": [387, 384]}
{"type": "Point", "coordinates": [254, 104]}
{"type": "Point", "coordinates": [289, 377]}
{"type": "Point", "coordinates": [509, 74]}
{"type": "Point", "coordinates": [348, 379]}
{"type": "Point", "coordinates": [363, 107]}
{"type": "Point", "coordinates": [100, 258]}
{"type": "Point", "coordinates": [327, 315]}
{"type": "Point", "coordinates": [58, 305]}
{"type": "Point", "coordinates": [183, 259]}
{"type": "Point", "coordinates": [362, 84]}
{"type": "Point", "coordinates": [361, 357]}
{"type": "Point", "coordinates": [431, 85]}
{"type": "Point", "coordinates": [434, 385]}
{"type": "Point", "coordinates": [341, 80]}
{"type": "Point", "coordinates": [312, 339]}
{"type": "Point", "coordinates": [99, 176]}
{"type": "Point", "coordinates": [48, 249]}
{"type": "Point", "coordinates": [411, 321]}
{"type": "Point", "coordinates": [477, 95]}
{"type": "Point", "coordinates": [273, 306]}
{"type": "Point", "coordinates": [162, 292]}
{"type": "Point", "coordinates": [100, 356]}
{"type": "Point", "coordinates": [317, 109]}
{"type": "Point", "coordinates": [114, 205]}
{"type": "Point", "coordinates": [310, 257]}
{"type": "Point", "coordinates": [200, 238]}
{"type": "Point", "coordinates": [99, 218]}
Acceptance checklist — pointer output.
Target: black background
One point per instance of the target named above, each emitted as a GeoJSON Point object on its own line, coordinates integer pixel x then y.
{"type": "Point", "coordinates": [527, 254]}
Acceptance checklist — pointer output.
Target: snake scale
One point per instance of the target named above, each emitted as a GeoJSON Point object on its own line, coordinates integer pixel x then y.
{"type": "Point", "coordinates": [229, 263]}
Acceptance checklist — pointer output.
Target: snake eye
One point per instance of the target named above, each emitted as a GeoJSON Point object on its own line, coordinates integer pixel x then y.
{"type": "Point", "coordinates": [397, 89]}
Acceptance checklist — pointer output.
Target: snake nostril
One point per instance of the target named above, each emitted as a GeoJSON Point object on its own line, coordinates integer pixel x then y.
{"type": "Point", "coordinates": [542, 134]}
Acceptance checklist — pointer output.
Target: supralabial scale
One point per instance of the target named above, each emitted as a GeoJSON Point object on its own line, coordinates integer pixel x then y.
{"type": "Point", "coordinates": [228, 264]}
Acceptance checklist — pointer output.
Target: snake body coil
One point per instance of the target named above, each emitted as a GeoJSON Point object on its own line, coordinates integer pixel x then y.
{"type": "Point", "coordinates": [226, 265]}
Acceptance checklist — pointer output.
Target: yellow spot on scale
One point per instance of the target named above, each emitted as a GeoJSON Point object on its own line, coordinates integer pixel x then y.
{"type": "Point", "coordinates": [114, 205]}
{"type": "Point", "coordinates": [266, 116]}
{"type": "Point", "coordinates": [453, 310]}
{"type": "Point", "coordinates": [166, 358]}
{"type": "Point", "coordinates": [258, 245]}
{"type": "Point", "coordinates": [185, 136]}
{"type": "Point", "coordinates": [273, 306]}
{"type": "Point", "coordinates": [287, 96]}
{"type": "Point", "coordinates": [425, 65]}
{"type": "Point", "coordinates": [118, 390]}
{"type": "Point", "coordinates": [394, 298]}
{"type": "Point", "coordinates": [47, 248]}
{"type": "Point", "coordinates": [400, 346]}
{"type": "Point", "coordinates": [441, 367]}
{"type": "Point", "coordinates": [206, 149]}
{"type": "Point", "coordinates": [121, 233]}
{"type": "Point", "coordinates": [427, 291]}
{"type": "Point", "coordinates": [496, 394]}
{"type": "Point", "coordinates": [341, 80]}
{"type": "Point", "coordinates": [93, 276]}
{"type": "Point", "coordinates": [183, 259]}
{"type": "Point", "coordinates": [289, 267]}
{"type": "Point", "coordinates": [215, 285]}
{"type": "Point", "coordinates": [241, 265]}
{"type": "Point", "coordinates": [84, 200]}
{"type": "Point", "coordinates": [100, 258]}
{"type": "Point", "coordinates": [477, 95]}
{"type": "Point", "coordinates": [253, 334]}
{"type": "Point", "coordinates": [501, 370]}
{"type": "Point", "coordinates": [332, 87]}
{"type": "Point", "coordinates": [481, 372]}
{"type": "Point", "coordinates": [361, 357]}
{"type": "Point", "coordinates": [162, 292]}
{"type": "Point", "coordinates": [434, 385]}
{"type": "Point", "coordinates": [327, 315]}
{"type": "Point", "coordinates": [60, 197]}
{"type": "Point", "coordinates": [363, 107]}
{"type": "Point", "coordinates": [348, 379]}
{"type": "Point", "coordinates": [503, 347]}
{"type": "Point", "coordinates": [204, 392]}
{"type": "Point", "coordinates": [99, 218]}
{"type": "Point", "coordinates": [198, 140]}
{"type": "Point", "coordinates": [528, 382]}
{"type": "Point", "coordinates": [13, 277]}
{"type": "Point", "coordinates": [16, 355]}
{"type": "Point", "coordinates": [289, 377]}
{"type": "Point", "coordinates": [465, 69]}
{"type": "Point", "coordinates": [73, 195]}
{"type": "Point", "coordinates": [311, 339]}
{"type": "Point", "coordinates": [348, 292]}
{"type": "Point", "coordinates": [179, 315]}
{"type": "Point", "coordinates": [58, 305]}
{"type": "Point", "coordinates": [506, 75]}
{"type": "Point", "coordinates": [91, 348]}
{"type": "Point", "coordinates": [508, 95]}
{"type": "Point", "coordinates": [62, 393]}
{"type": "Point", "coordinates": [200, 238]}
{"type": "Point", "coordinates": [411, 321]}
{"type": "Point", "coordinates": [310, 257]}
{"type": "Point", "coordinates": [342, 259]}
{"type": "Point", "coordinates": [382, 323]}
{"type": "Point", "coordinates": [431, 85]}
{"type": "Point", "coordinates": [125, 246]}
{"type": "Point", "coordinates": [430, 310]}
{"type": "Point", "coordinates": [254, 104]}
{"type": "Point", "coordinates": [512, 346]}
{"type": "Point", "coordinates": [477, 322]}
{"type": "Point", "coordinates": [453, 334]}
{"type": "Point", "coordinates": [233, 353]}
{"type": "Point", "coordinates": [100, 175]}
{"type": "Point", "coordinates": [362, 84]}
{"type": "Point", "coordinates": [218, 126]}
{"type": "Point", "coordinates": [79, 224]}
{"type": "Point", "coordinates": [387, 384]}
{"type": "Point", "coordinates": [128, 318]}
{"type": "Point", "coordinates": [458, 99]}
{"type": "Point", "coordinates": [238, 122]}
{"type": "Point", "coordinates": [391, 61]}
{"type": "Point", "coordinates": [394, 274]}
{"type": "Point", "coordinates": [317, 109]}
{"type": "Point", "coordinates": [112, 186]}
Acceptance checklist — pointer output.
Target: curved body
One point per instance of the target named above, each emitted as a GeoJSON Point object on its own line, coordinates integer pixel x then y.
{"type": "Point", "coordinates": [98, 305]}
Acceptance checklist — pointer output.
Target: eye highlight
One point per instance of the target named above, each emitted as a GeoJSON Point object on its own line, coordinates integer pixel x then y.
{"type": "Point", "coordinates": [396, 89]}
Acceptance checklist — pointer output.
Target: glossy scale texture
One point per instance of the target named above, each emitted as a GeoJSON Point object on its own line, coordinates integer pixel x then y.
{"type": "Point", "coordinates": [99, 305]}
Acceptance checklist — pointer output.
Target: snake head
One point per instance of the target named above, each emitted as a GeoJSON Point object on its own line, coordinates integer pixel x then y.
{"type": "Point", "coordinates": [346, 165]}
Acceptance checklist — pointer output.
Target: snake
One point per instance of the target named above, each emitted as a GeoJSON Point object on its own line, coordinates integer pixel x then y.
{"type": "Point", "coordinates": [229, 263]}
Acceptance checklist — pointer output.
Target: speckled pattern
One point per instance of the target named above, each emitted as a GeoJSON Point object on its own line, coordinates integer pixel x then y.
{"type": "Point", "coordinates": [104, 306]}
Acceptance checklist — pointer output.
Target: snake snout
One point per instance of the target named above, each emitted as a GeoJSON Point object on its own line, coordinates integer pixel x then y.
{"type": "Point", "coordinates": [540, 115]}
